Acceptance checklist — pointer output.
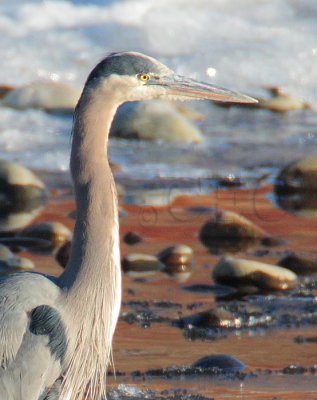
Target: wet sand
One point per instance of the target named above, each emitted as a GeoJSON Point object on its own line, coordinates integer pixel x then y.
{"type": "Point", "coordinates": [140, 346]}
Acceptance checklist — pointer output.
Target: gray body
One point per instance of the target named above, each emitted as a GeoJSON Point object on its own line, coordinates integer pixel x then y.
{"type": "Point", "coordinates": [56, 333]}
{"type": "Point", "coordinates": [29, 357]}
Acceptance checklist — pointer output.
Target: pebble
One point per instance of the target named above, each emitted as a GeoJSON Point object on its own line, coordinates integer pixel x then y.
{"type": "Point", "coordinates": [176, 258]}
{"type": "Point", "coordinates": [138, 264]}
{"type": "Point", "coordinates": [4, 90]}
{"type": "Point", "coordinates": [13, 174]}
{"type": "Point", "coordinates": [303, 204]}
{"type": "Point", "coordinates": [298, 264]}
{"type": "Point", "coordinates": [281, 101]}
{"type": "Point", "coordinates": [22, 196]}
{"type": "Point", "coordinates": [178, 261]}
{"type": "Point", "coordinates": [8, 260]}
{"type": "Point", "coordinates": [62, 254]}
{"type": "Point", "coordinates": [49, 95]}
{"type": "Point", "coordinates": [294, 369]}
{"type": "Point", "coordinates": [55, 232]}
{"type": "Point", "coordinates": [230, 231]}
{"type": "Point", "coordinates": [155, 120]}
{"type": "Point", "coordinates": [20, 263]}
{"type": "Point", "coordinates": [298, 176]}
{"type": "Point", "coordinates": [223, 362]}
{"type": "Point", "coordinates": [238, 271]}
{"type": "Point", "coordinates": [132, 238]}
{"type": "Point", "coordinates": [217, 318]}
{"type": "Point", "coordinates": [5, 252]}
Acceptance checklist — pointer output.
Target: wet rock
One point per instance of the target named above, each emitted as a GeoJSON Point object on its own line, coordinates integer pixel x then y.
{"type": "Point", "coordinates": [303, 339]}
{"type": "Point", "coordinates": [178, 261]}
{"type": "Point", "coordinates": [132, 238]}
{"type": "Point", "coordinates": [155, 120]}
{"type": "Point", "coordinates": [176, 258]}
{"type": "Point", "coordinates": [22, 194]}
{"type": "Point", "coordinates": [228, 231]}
{"type": "Point", "coordinates": [303, 204]}
{"type": "Point", "coordinates": [137, 264]}
{"type": "Point", "coordinates": [144, 318]}
{"type": "Point", "coordinates": [218, 318]}
{"type": "Point", "coordinates": [9, 261]}
{"type": "Point", "coordinates": [5, 252]}
{"type": "Point", "coordinates": [47, 95]}
{"type": "Point", "coordinates": [298, 264]}
{"type": "Point", "coordinates": [223, 362]}
{"type": "Point", "coordinates": [4, 90]}
{"type": "Point", "coordinates": [294, 369]}
{"type": "Point", "coordinates": [128, 392]}
{"type": "Point", "coordinates": [298, 176]}
{"type": "Point", "coordinates": [237, 271]}
{"type": "Point", "coordinates": [281, 101]}
{"type": "Point", "coordinates": [191, 371]}
{"type": "Point", "coordinates": [55, 232]}
{"type": "Point", "coordinates": [62, 254]}
{"type": "Point", "coordinates": [20, 263]}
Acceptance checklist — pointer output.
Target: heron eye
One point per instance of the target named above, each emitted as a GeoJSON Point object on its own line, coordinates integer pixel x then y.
{"type": "Point", "coordinates": [144, 77]}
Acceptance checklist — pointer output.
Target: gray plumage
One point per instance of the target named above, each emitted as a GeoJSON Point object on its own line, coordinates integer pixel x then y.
{"type": "Point", "coordinates": [56, 333]}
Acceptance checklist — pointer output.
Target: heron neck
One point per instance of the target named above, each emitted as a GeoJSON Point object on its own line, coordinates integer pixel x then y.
{"type": "Point", "coordinates": [95, 247]}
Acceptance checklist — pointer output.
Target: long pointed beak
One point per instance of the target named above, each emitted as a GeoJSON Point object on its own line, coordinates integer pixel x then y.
{"type": "Point", "coordinates": [177, 85]}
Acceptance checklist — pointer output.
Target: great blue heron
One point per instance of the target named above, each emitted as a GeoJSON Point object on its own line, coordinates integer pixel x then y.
{"type": "Point", "coordinates": [56, 333]}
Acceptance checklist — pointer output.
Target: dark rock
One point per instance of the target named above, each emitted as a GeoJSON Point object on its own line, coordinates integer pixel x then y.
{"type": "Point", "coordinates": [222, 362]}
{"type": "Point", "coordinates": [237, 272]}
{"type": "Point", "coordinates": [132, 238]}
{"type": "Point", "coordinates": [298, 264]}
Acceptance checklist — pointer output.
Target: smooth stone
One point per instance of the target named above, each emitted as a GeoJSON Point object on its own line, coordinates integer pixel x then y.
{"type": "Point", "coordinates": [4, 90]}
{"type": "Point", "coordinates": [298, 176]}
{"type": "Point", "coordinates": [22, 196]}
{"type": "Point", "coordinates": [13, 174]}
{"type": "Point", "coordinates": [227, 230]}
{"type": "Point", "coordinates": [154, 120]}
{"type": "Point", "coordinates": [217, 318]}
{"type": "Point", "coordinates": [281, 101]}
{"type": "Point", "coordinates": [178, 261]}
{"type": "Point", "coordinates": [5, 252]}
{"type": "Point", "coordinates": [222, 362]}
{"type": "Point", "coordinates": [238, 271]}
{"type": "Point", "coordinates": [138, 264]}
{"type": "Point", "coordinates": [8, 260]}
{"type": "Point", "coordinates": [132, 238]}
{"type": "Point", "coordinates": [55, 232]}
{"type": "Point", "coordinates": [62, 254]}
{"type": "Point", "coordinates": [178, 258]}
{"type": "Point", "coordinates": [20, 263]}
{"type": "Point", "coordinates": [298, 264]}
{"type": "Point", "coordinates": [48, 95]}
{"type": "Point", "coordinates": [303, 204]}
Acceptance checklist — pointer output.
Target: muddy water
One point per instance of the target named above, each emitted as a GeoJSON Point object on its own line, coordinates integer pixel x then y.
{"type": "Point", "coordinates": [143, 343]}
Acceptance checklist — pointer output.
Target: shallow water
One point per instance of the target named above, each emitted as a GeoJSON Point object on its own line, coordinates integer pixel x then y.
{"type": "Point", "coordinates": [146, 339]}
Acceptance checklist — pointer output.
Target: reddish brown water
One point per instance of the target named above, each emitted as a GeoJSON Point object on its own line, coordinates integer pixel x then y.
{"type": "Point", "coordinates": [161, 345]}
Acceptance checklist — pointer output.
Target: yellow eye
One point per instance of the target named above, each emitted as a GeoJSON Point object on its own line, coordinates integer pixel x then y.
{"type": "Point", "coordinates": [144, 77]}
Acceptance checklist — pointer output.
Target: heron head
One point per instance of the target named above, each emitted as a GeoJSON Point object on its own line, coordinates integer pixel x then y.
{"type": "Point", "coordinates": [134, 77]}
